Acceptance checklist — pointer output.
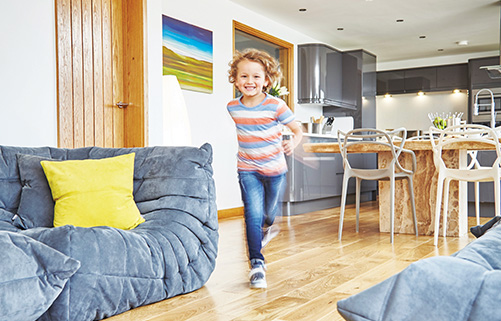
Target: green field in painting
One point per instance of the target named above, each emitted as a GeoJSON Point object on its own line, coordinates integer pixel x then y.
{"type": "Point", "coordinates": [192, 74]}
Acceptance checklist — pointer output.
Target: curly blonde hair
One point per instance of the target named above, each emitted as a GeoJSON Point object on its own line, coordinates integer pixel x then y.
{"type": "Point", "coordinates": [270, 64]}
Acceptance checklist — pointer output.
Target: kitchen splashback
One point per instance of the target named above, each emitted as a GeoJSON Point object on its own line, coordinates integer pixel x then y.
{"type": "Point", "coordinates": [411, 111]}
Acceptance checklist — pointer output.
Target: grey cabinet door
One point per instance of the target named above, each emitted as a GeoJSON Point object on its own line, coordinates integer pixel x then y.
{"type": "Point", "coordinates": [420, 79]}
{"type": "Point", "coordinates": [390, 82]}
{"type": "Point", "coordinates": [452, 77]}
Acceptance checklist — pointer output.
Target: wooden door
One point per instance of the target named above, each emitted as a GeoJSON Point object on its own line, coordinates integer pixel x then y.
{"type": "Point", "coordinates": [100, 63]}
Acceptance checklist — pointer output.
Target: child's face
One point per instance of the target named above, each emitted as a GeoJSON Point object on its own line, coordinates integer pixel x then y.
{"type": "Point", "coordinates": [251, 78]}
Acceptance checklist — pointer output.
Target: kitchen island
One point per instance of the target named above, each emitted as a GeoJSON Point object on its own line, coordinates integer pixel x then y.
{"type": "Point", "coordinates": [425, 183]}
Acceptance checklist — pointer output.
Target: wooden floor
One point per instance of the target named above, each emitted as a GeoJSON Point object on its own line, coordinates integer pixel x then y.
{"type": "Point", "coordinates": [309, 270]}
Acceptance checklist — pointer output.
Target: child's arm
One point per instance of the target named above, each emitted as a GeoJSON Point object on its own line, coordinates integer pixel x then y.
{"type": "Point", "coordinates": [290, 144]}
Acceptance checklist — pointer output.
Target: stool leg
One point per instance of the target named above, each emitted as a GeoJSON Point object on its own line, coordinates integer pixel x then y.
{"type": "Point", "coordinates": [413, 204]}
{"type": "Point", "coordinates": [343, 205]}
{"type": "Point", "coordinates": [438, 207]}
{"type": "Point", "coordinates": [477, 202]}
{"type": "Point", "coordinates": [357, 193]}
{"type": "Point", "coordinates": [392, 207]}
{"type": "Point", "coordinates": [446, 205]}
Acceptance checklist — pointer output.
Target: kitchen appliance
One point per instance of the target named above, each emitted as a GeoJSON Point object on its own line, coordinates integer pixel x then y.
{"type": "Point", "coordinates": [484, 102]}
{"type": "Point", "coordinates": [325, 76]}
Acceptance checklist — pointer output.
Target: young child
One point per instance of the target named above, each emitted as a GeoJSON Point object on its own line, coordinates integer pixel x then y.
{"type": "Point", "coordinates": [261, 162]}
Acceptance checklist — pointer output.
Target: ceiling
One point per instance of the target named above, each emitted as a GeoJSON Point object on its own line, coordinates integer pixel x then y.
{"type": "Point", "coordinates": [372, 25]}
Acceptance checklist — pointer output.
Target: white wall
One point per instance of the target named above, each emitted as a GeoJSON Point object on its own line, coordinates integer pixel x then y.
{"type": "Point", "coordinates": [27, 73]}
{"type": "Point", "coordinates": [411, 111]}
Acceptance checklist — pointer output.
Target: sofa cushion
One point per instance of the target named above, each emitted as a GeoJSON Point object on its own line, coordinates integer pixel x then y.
{"type": "Point", "coordinates": [36, 206]}
{"type": "Point", "coordinates": [32, 275]}
{"type": "Point", "coordinates": [436, 288]}
{"type": "Point", "coordinates": [93, 192]}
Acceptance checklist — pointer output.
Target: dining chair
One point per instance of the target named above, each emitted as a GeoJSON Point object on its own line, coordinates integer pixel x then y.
{"type": "Point", "coordinates": [467, 133]}
{"type": "Point", "coordinates": [351, 142]}
{"type": "Point", "coordinates": [472, 163]}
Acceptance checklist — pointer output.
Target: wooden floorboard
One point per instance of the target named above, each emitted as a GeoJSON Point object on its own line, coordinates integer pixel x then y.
{"type": "Point", "coordinates": [309, 270]}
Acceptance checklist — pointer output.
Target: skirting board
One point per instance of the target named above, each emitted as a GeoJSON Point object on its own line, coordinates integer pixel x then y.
{"type": "Point", "coordinates": [231, 212]}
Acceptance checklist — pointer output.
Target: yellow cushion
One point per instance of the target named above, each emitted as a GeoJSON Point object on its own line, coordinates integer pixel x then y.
{"type": "Point", "coordinates": [93, 192]}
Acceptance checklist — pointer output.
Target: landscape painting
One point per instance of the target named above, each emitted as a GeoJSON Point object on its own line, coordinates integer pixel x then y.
{"type": "Point", "coordinates": [187, 54]}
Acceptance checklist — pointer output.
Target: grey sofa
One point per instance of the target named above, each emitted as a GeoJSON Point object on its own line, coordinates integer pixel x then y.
{"type": "Point", "coordinates": [74, 273]}
{"type": "Point", "coordinates": [463, 286]}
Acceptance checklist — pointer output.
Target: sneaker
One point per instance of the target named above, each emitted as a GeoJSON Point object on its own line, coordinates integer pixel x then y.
{"type": "Point", "coordinates": [258, 277]}
{"type": "Point", "coordinates": [269, 234]}
{"type": "Point", "coordinates": [480, 230]}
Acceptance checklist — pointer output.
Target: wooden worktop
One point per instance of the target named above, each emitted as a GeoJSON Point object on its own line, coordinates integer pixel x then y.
{"type": "Point", "coordinates": [414, 145]}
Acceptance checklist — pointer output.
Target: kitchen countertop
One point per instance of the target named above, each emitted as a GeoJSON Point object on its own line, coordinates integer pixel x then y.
{"type": "Point", "coordinates": [414, 145]}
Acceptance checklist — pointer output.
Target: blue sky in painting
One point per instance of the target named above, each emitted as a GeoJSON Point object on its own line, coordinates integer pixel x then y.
{"type": "Point", "coordinates": [187, 39]}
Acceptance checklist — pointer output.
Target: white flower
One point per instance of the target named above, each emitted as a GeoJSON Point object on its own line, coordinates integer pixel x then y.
{"type": "Point", "coordinates": [283, 91]}
{"type": "Point", "coordinates": [278, 91]}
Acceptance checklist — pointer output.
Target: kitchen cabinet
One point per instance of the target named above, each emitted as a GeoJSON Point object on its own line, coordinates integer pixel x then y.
{"type": "Point", "coordinates": [351, 80]}
{"type": "Point", "coordinates": [390, 82]}
{"type": "Point", "coordinates": [478, 77]}
{"type": "Point", "coordinates": [426, 79]}
{"type": "Point", "coordinates": [452, 77]}
{"type": "Point", "coordinates": [313, 176]}
{"type": "Point", "coordinates": [420, 79]}
{"type": "Point", "coordinates": [314, 180]}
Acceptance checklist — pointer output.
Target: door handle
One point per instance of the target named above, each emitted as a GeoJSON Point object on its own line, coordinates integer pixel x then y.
{"type": "Point", "coordinates": [122, 105]}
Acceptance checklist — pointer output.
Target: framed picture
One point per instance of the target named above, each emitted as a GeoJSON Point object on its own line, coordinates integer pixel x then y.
{"type": "Point", "coordinates": [187, 54]}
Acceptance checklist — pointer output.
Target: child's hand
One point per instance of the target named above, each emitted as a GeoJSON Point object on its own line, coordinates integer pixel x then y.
{"type": "Point", "coordinates": [288, 147]}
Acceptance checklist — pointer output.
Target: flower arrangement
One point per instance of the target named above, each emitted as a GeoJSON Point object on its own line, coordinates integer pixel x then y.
{"type": "Point", "coordinates": [278, 90]}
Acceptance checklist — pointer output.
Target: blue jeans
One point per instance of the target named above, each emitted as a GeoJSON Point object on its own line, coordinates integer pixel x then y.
{"type": "Point", "coordinates": [261, 196]}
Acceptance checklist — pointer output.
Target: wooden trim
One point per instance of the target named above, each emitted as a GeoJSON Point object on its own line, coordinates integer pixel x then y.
{"type": "Point", "coordinates": [118, 70]}
{"type": "Point", "coordinates": [135, 73]}
{"type": "Point", "coordinates": [108, 105]}
{"type": "Point", "coordinates": [145, 113]}
{"type": "Point", "coordinates": [77, 72]}
{"type": "Point", "coordinates": [88, 78]}
{"type": "Point", "coordinates": [289, 54]}
{"type": "Point", "coordinates": [230, 213]}
{"type": "Point", "coordinates": [258, 33]}
{"type": "Point", "coordinates": [64, 73]}
{"type": "Point", "coordinates": [97, 124]}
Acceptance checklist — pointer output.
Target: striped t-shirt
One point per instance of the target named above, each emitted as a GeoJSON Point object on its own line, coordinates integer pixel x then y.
{"type": "Point", "coordinates": [259, 135]}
